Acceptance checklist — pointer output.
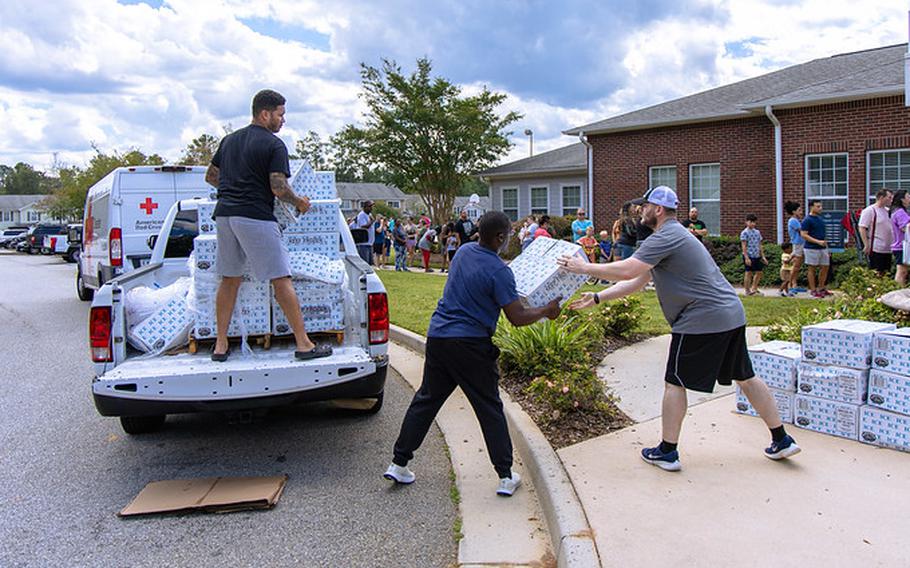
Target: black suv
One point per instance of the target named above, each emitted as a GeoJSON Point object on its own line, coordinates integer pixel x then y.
{"type": "Point", "coordinates": [37, 234]}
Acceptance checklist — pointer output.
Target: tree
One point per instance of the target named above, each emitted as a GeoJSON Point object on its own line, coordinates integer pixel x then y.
{"type": "Point", "coordinates": [23, 179]}
{"type": "Point", "coordinates": [351, 162]}
{"type": "Point", "coordinates": [426, 134]}
{"type": "Point", "coordinates": [68, 201]}
{"type": "Point", "coordinates": [200, 150]}
{"type": "Point", "coordinates": [313, 150]}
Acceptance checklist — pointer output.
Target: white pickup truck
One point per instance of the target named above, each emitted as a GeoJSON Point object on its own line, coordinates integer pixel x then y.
{"type": "Point", "coordinates": [142, 390]}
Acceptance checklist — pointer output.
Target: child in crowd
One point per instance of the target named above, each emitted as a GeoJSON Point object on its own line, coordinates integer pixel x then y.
{"type": "Point", "coordinates": [451, 245]}
{"type": "Point", "coordinates": [786, 269]}
{"type": "Point", "coordinates": [426, 245]}
{"type": "Point", "coordinates": [589, 244]}
{"type": "Point", "coordinates": [753, 256]}
{"type": "Point", "coordinates": [606, 246]}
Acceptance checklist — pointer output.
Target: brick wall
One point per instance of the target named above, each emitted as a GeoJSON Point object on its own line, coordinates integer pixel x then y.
{"type": "Point", "coordinates": [745, 150]}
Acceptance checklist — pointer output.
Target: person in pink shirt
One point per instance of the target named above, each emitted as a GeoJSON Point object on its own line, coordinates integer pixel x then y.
{"type": "Point", "coordinates": [899, 220]}
{"type": "Point", "coordinates": [542, 230]}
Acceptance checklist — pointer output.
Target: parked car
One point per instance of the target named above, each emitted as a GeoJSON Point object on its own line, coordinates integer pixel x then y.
{"type": "Point", "coordinates": [37, 233]}
{"type": "Point", "coordinates": [8, 235]}
{"type": "Point", "coordinates": [73, 242]}
{"type": "Point", "coordinates": [122, 211]}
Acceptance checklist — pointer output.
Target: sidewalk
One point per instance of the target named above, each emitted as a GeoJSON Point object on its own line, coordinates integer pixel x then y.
{"type": "Point", "coordinates": [839, 503]}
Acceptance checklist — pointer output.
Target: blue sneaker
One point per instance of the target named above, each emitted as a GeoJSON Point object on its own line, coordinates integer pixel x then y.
{"type": "Point", "coordinates": [666, 461]}
{"type": "Point", "coordinates": [798, 290]}
{"type": "Point", "coordinates": [783, 449]}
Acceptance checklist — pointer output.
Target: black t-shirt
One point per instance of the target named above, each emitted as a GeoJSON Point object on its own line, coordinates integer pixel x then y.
{"type": "Point", "coordinates": [244, 159]}
{"type": "Point", "coordinates": [642, 231]}
{"type": "Point", "coordinates": [699, 224]}
{"type": "Point", "coordinates": [628, 233]}
{"type": "Point", "coordinates": [465, 228]}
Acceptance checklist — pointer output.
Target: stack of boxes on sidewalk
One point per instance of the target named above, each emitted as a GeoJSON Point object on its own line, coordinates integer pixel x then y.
{"type": "Point", "coordinates": [849, 378]}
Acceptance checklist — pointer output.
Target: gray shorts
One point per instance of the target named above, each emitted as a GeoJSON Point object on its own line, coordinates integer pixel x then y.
{"type": "Point", "coordinates": [817, 257]}
{"type": "Point", "coordinates": [243, 241]}
{"type": "Point", "coordinates": [798, 250]}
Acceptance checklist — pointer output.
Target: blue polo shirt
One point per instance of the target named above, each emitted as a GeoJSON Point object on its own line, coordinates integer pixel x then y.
{"type": "Point", "coordinates": [815, 226]}
{"type": "Point", "coordinates": [479, 285]}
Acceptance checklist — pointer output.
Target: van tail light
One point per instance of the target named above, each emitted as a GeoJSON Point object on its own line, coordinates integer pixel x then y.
{"type": "Point", "coordinates": [99, 333]}
{"type": "Point", "coordinates": [53, 244]}
{"type": "Point", "coordinates": [379, 318]}
{"type": "Point", "coordinates": [115, 246]}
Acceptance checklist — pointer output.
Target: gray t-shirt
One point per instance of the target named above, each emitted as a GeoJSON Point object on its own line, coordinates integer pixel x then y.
{"type": "Point", "coordinates": [694, 295]}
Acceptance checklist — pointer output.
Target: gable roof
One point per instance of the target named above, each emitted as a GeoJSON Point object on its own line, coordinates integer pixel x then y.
{"type": "Point", "coordinates": [567, 158]}
{"type": "Point", "coordinates": [18, 202]}
{"type": "Point", "coordinates": [878, 72]}
{"type": "Point", "coordinates": [373, 191]}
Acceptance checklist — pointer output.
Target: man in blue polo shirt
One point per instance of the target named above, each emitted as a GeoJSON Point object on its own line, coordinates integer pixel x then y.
{"type": "Point", "coordinates": [460, 350]}
{"type": "Point", "coordinates": [816, 249]}
{"type": "Point", "coordinates": [580, 225]}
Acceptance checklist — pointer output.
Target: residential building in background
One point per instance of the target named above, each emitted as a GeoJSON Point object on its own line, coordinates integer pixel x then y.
{"type": "Point", "coordinates": [835, 129]}
{"type": "Point", "coordinates": [551, 183]}
{"type": "Point", "coordinates": [22, 210]}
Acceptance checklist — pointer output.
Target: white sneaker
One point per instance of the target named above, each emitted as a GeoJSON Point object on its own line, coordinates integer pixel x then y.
{"type": "Point", "coordinates": [399, 474]}
{"type": "Point", "coordinates": [508, 485]}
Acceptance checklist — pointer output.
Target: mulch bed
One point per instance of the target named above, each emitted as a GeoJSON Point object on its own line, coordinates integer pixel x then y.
{"type": "Point", "coordinates": [566, 429]}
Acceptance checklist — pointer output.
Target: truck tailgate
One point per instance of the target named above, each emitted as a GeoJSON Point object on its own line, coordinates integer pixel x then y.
{"type": "Point", "coordinates": [196, 377]}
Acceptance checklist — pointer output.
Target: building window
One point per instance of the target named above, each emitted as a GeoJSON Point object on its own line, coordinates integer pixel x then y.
{"type": "Point", "coordinates": [889, 170]}
{"type": "Point", "coordinates": [662, 175]}
{"type": "Point", "coordinates": [704, 189]}
{"type": "Point", "coordinates": [540, 200]}
{"type": "Point", "coordinates": [33, 216]}
{"type": "Point", "coordinates": [7, 215]}
{"type": "Point", "coordinates": [826, 179]}
{"type": "Point", "coordinates": [394, 204]}
{"type": "Point", "coordinates": [571, 199]}
{"type": "Point", "coordinates": [510, 202]}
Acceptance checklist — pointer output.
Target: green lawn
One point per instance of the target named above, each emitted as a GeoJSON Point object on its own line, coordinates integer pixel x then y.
{"type": "Point", "coordinates": [413, 297]}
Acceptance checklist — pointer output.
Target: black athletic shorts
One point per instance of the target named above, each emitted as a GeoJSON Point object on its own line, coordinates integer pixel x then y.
{"type": "Point", "coordinates": [880, 261]}
{"type": "Point", "coordinates": [699, 360]}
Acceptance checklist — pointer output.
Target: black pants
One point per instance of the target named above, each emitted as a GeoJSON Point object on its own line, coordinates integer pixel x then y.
{"type": "Point", "coordinates": [469, 363]}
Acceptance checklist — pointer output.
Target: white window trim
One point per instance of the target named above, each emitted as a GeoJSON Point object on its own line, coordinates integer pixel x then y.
{"type": "Point", "coordinates": [718, 200]}
{"type": "Point", "coordinates": [652, 168]}
{"type": "Point", "coordinates": [869, 197]}
{"type": "Point", "coordinates": [502, 200]}
{"type": "Point", "coordinates": [396, 202]}
{"type": "Point", "coordinates": [531, 189]}
{"type": "Point", "coordinates": [581, 197]}
{"type": "Point", "coordinates": [806, 199]}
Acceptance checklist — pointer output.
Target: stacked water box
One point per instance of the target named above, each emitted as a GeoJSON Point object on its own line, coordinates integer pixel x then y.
{"type": "Point", "coordinates": [885, 421]}
{"type": "Point", "coordinates": [251, 312]}
{"type": "Point", "coordinates": [833, 376]}
{"type": "Point", "coordinates": [538, 279]}
{"type": "Point", "coordinates": [313, 242]}
{"type": "Point", "coordinates": [775, 363]}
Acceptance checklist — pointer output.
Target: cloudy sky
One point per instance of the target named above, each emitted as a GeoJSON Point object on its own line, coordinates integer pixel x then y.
{"type": "Point", "coordinates": [154, 74]}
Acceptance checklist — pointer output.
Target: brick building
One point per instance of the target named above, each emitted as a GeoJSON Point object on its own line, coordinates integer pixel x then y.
{"type": "Point", "coordinates": [843, 133]}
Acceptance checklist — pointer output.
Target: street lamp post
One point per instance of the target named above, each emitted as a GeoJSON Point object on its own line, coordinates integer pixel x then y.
{"type": "Point", "coordinates": [530, 134]}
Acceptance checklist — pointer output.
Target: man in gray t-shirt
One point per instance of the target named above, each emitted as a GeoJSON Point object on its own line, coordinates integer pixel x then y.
{"type": "Point", "coordinates": [706, 317]}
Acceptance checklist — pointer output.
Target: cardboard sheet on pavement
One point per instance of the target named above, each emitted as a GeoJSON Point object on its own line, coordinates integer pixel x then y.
{"type": "Point", "coordinates": [208, 494]}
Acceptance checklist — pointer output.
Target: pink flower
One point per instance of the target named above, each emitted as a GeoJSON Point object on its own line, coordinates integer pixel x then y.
{"type": "Point", "coordinates": [565, 389]}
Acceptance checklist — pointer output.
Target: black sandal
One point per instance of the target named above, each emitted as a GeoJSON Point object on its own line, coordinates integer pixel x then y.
{"type": "Point", "coordinates": [221, 357]}
{"type": "Point", "coordinates": [314, 353]}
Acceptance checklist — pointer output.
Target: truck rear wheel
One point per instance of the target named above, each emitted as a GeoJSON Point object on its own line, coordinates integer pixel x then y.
{"type": "Point", "coordinates": [142, 424]}
{"type": "Point", "coordinates": [85, 294]}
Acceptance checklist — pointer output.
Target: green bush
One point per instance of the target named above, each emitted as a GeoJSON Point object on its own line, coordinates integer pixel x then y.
{"type": "Point", "coordinates": [723, 249]}
{"type": "Point", "coordinates": [618, 318]}
{"type": "Point", "coordinates": [734, 269]}
{"type": "Point", "coordinates": [561, 227]}
{"type": "Point", "coordinates": [571, 388]}
{"type": "Point", "coordinates": [861, 289]}
{"type": "Point", "coordinates": [540, 348]}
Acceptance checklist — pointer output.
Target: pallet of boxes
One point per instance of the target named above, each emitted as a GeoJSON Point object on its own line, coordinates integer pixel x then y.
{"type": "Point", "coordinates": [313, 242]}
{"type": "Point", "coordinates": [849, 378]}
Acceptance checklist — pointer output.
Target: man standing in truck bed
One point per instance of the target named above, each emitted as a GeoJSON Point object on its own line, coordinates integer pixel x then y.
{"type": "Point", "coordinates": [250, 168]}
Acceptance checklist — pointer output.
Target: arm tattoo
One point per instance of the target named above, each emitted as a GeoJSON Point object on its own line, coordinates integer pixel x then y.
{"type": "Point", "coordinates": [281, 188]}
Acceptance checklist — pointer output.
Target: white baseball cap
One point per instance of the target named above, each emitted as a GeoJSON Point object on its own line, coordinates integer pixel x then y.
{"type": "Point", "coordinates": [660, 195]}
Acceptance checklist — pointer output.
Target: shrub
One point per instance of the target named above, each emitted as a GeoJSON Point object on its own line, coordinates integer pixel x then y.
{"type": "Point", "coordinates": [723, 249]}
{"type": "Point", "coordinates": [734, 269]}
{"type": "Point", "coordinates": [561, 227]}
{"type": "Point", "coordinates": [539, 348]}
{"type": "Point", "coordinates": [618, 318]}
{"type": "Point", "coordinates": [571, 388]}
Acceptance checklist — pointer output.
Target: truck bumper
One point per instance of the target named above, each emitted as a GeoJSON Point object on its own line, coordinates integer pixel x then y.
{"type": "Point", "coordinates": [368, 386]}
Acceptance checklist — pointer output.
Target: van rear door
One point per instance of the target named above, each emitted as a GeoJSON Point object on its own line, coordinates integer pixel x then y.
{"type": "Point", "coordinates": [189, 182]}
{"type": "Point", "coordinates": [146, 195]}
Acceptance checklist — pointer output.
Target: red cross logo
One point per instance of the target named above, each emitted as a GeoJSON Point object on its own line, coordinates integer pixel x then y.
{"type": "Point", "coordinates": [148, 206]}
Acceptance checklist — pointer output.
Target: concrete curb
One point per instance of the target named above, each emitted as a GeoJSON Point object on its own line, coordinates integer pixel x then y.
{"type": "Point", "coordinates": [570, 534]}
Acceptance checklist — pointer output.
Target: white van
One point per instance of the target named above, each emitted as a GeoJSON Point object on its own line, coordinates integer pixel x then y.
{"type": "Point", "coordinates": [122, 211]}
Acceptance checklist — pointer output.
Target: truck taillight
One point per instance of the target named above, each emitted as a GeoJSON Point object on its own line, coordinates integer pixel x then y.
{"type": "Point", "coordinates": [379, 318]}
{"type": "Point", "coordinates": [53, 243]}
{"type": "Point", "coordinates": [99, 333]}
{"type": "Point", "coordinates": [115, 246]}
